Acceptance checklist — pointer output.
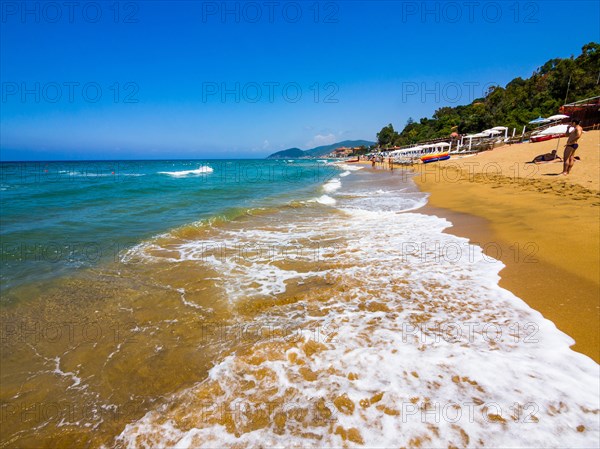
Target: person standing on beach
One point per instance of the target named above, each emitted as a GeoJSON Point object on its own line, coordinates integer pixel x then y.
{"type": "Point", "coordinates": [573, 133]}
{"type": "Point", "coordinates": [391, 163]}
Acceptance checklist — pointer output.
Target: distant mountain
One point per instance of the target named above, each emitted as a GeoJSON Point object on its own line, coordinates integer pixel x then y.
{"type": "Point", "coordinates": [294, 153]}
{"type": "Point", "coordinates": [290, 153]}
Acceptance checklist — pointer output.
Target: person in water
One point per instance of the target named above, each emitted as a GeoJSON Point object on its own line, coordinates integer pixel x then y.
{"type": "Point", "coordinates": [573, 134]}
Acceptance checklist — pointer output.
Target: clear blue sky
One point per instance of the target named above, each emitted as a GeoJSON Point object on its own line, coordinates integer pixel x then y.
{"type": "Point", "coordinates": [153, 79]}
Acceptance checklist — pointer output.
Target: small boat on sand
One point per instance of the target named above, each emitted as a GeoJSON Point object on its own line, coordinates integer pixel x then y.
{"type": "Point", "coordinates": [435, 157]}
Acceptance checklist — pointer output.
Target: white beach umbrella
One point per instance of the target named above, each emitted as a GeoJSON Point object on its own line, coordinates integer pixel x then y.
{"type": "Point", "coordinates": [501, 129]}
{"type": "Point", "coordinates": [556, 129]}
{"type": "Point", "coordinates": [557, 117]}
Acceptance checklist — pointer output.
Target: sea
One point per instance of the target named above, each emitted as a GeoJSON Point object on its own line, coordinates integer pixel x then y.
{"type": "Point", "coordinates": [265, 303]}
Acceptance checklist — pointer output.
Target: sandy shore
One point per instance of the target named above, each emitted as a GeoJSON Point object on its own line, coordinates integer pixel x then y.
{"type": "Point", "coordinates": [542, 225]}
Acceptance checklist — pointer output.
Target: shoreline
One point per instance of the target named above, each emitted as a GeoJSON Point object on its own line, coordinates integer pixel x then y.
{"type": "Point", "coordinates": [544, 230]}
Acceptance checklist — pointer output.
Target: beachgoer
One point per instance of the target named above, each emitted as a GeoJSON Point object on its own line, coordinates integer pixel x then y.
{"type": "Point", "coordinates": [546, 157]}
{"type": "Point", "coordinates": [372, 161]}
{"type": "Point", "coordinates": [391, 163]}
{"type": "Point", "coordinates": [573, 133]}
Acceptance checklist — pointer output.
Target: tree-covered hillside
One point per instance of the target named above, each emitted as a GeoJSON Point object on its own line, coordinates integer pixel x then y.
{"type": "Point", "coordinates": [514, 105]}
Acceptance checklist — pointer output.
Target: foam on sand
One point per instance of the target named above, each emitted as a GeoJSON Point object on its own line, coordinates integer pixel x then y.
{"type": "Point", "coordinates": [348, 167]}
{"type": "Point", "coordinates": [411, 342]}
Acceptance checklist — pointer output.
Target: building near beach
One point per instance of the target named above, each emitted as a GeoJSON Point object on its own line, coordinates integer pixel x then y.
{"type": "Point", "coordinates": [588, 111]}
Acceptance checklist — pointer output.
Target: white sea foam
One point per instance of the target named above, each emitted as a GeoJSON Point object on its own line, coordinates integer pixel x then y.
{"type": "Point", "coordinates": [245, 259]}
{"type": "Point", "coordinates": [385, 200]}
{"type": "Point", "coordinates": [349, 167]}
{"type": "Point", "coordinates": [326, 200]}
{"type": "Point", "coordinates": [332, 185]}
{"type": "Point", "coordinates": [76, 379]}
{"type": "Point", "coordinates": [184, 173]}
{"type": "Point", "coordinates": [420, 339]}
{"type": "Point", "coordinates": [91, 174]}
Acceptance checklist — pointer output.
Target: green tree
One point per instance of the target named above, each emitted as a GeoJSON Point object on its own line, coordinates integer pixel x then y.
{"type": "Point", "coordinates": [387, 136]}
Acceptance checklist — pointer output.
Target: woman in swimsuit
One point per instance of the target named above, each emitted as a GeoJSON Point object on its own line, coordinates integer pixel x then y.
{"type": "Point", "coordinates": [573, 133]}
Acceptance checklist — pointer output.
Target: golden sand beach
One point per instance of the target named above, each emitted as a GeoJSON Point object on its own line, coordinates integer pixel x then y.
{"type": "Point", "coordinates": [542, 225]}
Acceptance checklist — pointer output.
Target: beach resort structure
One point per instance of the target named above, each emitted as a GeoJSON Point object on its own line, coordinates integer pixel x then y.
{"type": "Point", "coordinates": [587, 111]}
{"type": "Point", "coordinates": [552, 127]}
{"type": "Point", "coordinates": [343, 152]}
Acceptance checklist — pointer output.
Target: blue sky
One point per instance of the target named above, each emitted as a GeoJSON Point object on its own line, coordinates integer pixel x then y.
{"type": "Point", "coordinates": [193, 79]}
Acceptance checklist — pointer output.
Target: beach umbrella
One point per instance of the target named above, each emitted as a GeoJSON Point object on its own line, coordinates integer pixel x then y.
{"type": "Point", "coordinates": [557, 117]}
{"type": "Point", "coordinates": [501, 129]}
{"type": "Point", "coordinates": [556, 129]}
{"type": "Point", "coordinates": [539, 120]}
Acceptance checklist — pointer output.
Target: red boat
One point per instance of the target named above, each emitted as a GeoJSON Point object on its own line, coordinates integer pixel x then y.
{"type": "Point", "coordinates": [542, 138]}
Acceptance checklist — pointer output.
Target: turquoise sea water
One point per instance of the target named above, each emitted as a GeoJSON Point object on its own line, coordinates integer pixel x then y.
{"type": "Point", "coordinates": [60, 216]}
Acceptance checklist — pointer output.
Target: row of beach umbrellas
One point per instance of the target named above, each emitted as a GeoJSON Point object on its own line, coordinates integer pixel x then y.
{"type": "Point", "coordinates": [552, 118]}
{"type": "Point", "coordinates": [489, 132]}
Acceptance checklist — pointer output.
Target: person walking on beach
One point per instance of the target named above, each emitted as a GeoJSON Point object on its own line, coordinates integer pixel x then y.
{"type": "Point", "coordinates": [391, 163]}
{"type": "Point", "coordinates": [573, 133]}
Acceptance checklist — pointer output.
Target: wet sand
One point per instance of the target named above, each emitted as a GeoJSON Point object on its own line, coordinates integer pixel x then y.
{"type": "Point", "coordinates": [544, 227]}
